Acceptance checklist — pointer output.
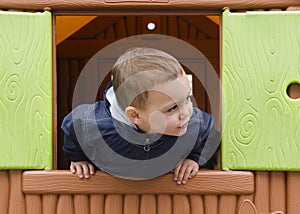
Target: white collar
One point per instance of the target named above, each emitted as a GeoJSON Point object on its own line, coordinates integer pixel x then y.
{"type": "Point", "coordinates": [116, 111]}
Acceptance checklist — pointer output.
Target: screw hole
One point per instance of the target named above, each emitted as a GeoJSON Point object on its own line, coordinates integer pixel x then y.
{"type": "Point", "coordinates": [293, 90]}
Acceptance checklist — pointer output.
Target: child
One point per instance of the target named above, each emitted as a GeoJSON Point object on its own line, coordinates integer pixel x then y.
{"type": "Point", "coordinates": [146, 117]}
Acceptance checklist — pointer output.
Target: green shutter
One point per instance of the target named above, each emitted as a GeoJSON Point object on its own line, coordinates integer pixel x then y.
{"type": "Point", "coordinates": [260, 122]}
{"type": "Point", "coordinates": [25, 90]}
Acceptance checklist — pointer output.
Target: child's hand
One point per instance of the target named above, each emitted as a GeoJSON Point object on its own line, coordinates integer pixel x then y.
{"type": "Point", "coordinates": [82, 168]}
{"type": "Point", "coordinates": [185, 170]}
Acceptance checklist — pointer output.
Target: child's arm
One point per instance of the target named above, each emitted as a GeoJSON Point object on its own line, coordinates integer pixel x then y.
{"type": "Point", "coordinates": [83, 168]}
{"type": "Point", "coordinates": [80, 163]}
{"type": "Point", "coordinates": [208, 142]}
{"type": "Point", "coordinates": [185, 170]}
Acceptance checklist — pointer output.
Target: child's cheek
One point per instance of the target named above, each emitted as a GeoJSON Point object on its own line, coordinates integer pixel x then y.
{"type": "Point", "coordinates": [191, 109]}
{"type": "Point", "coordinates": [157, 121]}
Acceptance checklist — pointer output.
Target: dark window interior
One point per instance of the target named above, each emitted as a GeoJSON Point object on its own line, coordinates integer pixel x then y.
{"type": "Point", "coordinates": [74, 52]}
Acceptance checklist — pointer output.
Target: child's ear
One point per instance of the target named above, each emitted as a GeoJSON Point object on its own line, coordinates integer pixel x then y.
{"type": "Point", "coordinates": [132, 114]}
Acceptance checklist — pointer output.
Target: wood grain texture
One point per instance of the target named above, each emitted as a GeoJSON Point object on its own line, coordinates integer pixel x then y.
{"type": "Point", "coordinates": [211, 204]}
{"type": "Point", "coordinates": [247, 207]}
{"type": "Point", "coordinates": [181, 204]}
{"type": "Point", "coordinates": [113, 204]}
{"type": "Point", "coordinates": [205, 26]}
{"type": "Point", "coordinates": [26, 90]}
{"type": "Point", "coordinates": [33, 204]}
{"type": "Point", "coordinates": [197, 204]}
{"type": "Point", "coordinates": [164, 204]}
{"type": "Point", "coordinates": [54, 99]}
{"type": "Point", "coordinates": [97, 204]}
{"type": "Point", "coordinates": [131, 204]}
{"type": "Point", "coordinates": [277, 191]}
{"type": "Point", "coordinates": [270, 188]}
{"type": "Point", "coordinates": [293, 193]}
{"type": "Point", "coordinates": [65, 204]}
{"type": "Point", "coordinates": [81, 204]}
{"type": "Point", "coordinates": [49, 204]}
{"type": "Point", "coordinates": [242, 198]}
{"type": "Point", "coordinates": [4, 191]}
{"type": "Point", "coordinates": [228, 203]}
{"type": "Point", "coordinates": [148, 204]}
{"type": "Point", "coordinates": [206, 182]}
{"type": "Point", "coordinates": [16, 197]}
{"type": "Point", "coordinates": [260, 58]}
{"type": "Point", "coordinates": [63, 82]}
{"type": "Point", "coordinates": [262, 190]}
{"type": "Point", "coordinates": [190, 5]}
{"type": "Point", "coordinates": [66, 49]}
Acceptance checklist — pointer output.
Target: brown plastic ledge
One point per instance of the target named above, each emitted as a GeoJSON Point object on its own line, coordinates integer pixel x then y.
{"type": "Point", "coordinates": [206, 182]}
{"type": "Point", "coordinates": [83, 5]}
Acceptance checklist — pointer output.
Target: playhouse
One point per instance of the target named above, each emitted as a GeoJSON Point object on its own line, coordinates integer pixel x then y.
{"type": "Point", "coordinates": [250, 51]}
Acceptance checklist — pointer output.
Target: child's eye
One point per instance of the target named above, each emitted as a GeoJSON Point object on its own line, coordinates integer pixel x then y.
{"type": "Point", "coordinates": [173, 108]}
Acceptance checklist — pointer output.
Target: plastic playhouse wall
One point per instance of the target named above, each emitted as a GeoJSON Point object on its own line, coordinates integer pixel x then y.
{"type": "Point", "coordinates": [28, 118]}
{"type": "Point", "coordinates": [209, 192]}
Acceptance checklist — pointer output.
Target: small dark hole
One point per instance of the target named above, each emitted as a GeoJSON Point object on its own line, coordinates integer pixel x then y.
{"type": "Point", "coordinates": [293, 90]}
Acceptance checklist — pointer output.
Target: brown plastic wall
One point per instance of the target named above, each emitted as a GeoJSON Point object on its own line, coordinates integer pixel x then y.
{"type": "Point", "coordinates": [210, 192]}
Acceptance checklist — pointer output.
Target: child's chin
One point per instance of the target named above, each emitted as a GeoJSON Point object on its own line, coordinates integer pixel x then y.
{"type": "Point", "coordinates": [179, 133]}
{"type": "Point", "coordinates": [182, 132]}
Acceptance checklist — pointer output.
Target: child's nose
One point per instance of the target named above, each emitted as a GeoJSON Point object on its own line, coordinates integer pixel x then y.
{"type": "Point", "coordinates": [184, 113]}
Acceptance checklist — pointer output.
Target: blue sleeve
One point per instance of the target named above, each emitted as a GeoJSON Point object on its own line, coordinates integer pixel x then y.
{"type": "Point", "coordinates": [71, 147]}
{"type": "Point", "coordinates": [207, 145]}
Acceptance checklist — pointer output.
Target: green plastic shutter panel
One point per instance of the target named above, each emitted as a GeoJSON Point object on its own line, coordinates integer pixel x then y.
{"type": "Point", "coordinates": [260, 122]}
{"type": "Point", "coordinates": [25, 90]}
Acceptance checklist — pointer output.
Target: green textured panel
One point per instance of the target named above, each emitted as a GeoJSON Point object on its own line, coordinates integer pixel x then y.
{"type": "Point", "coordinates": [25, 90]}
{"type": "Point", "coordinates": [261, 57]}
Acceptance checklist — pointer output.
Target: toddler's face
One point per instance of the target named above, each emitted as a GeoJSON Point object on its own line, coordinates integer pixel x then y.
{"type": "Point", "coordinates": [168, 108]}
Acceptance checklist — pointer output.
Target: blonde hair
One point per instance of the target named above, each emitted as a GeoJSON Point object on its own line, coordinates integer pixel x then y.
{"type": "Point", "coordinates": [138, 70]}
